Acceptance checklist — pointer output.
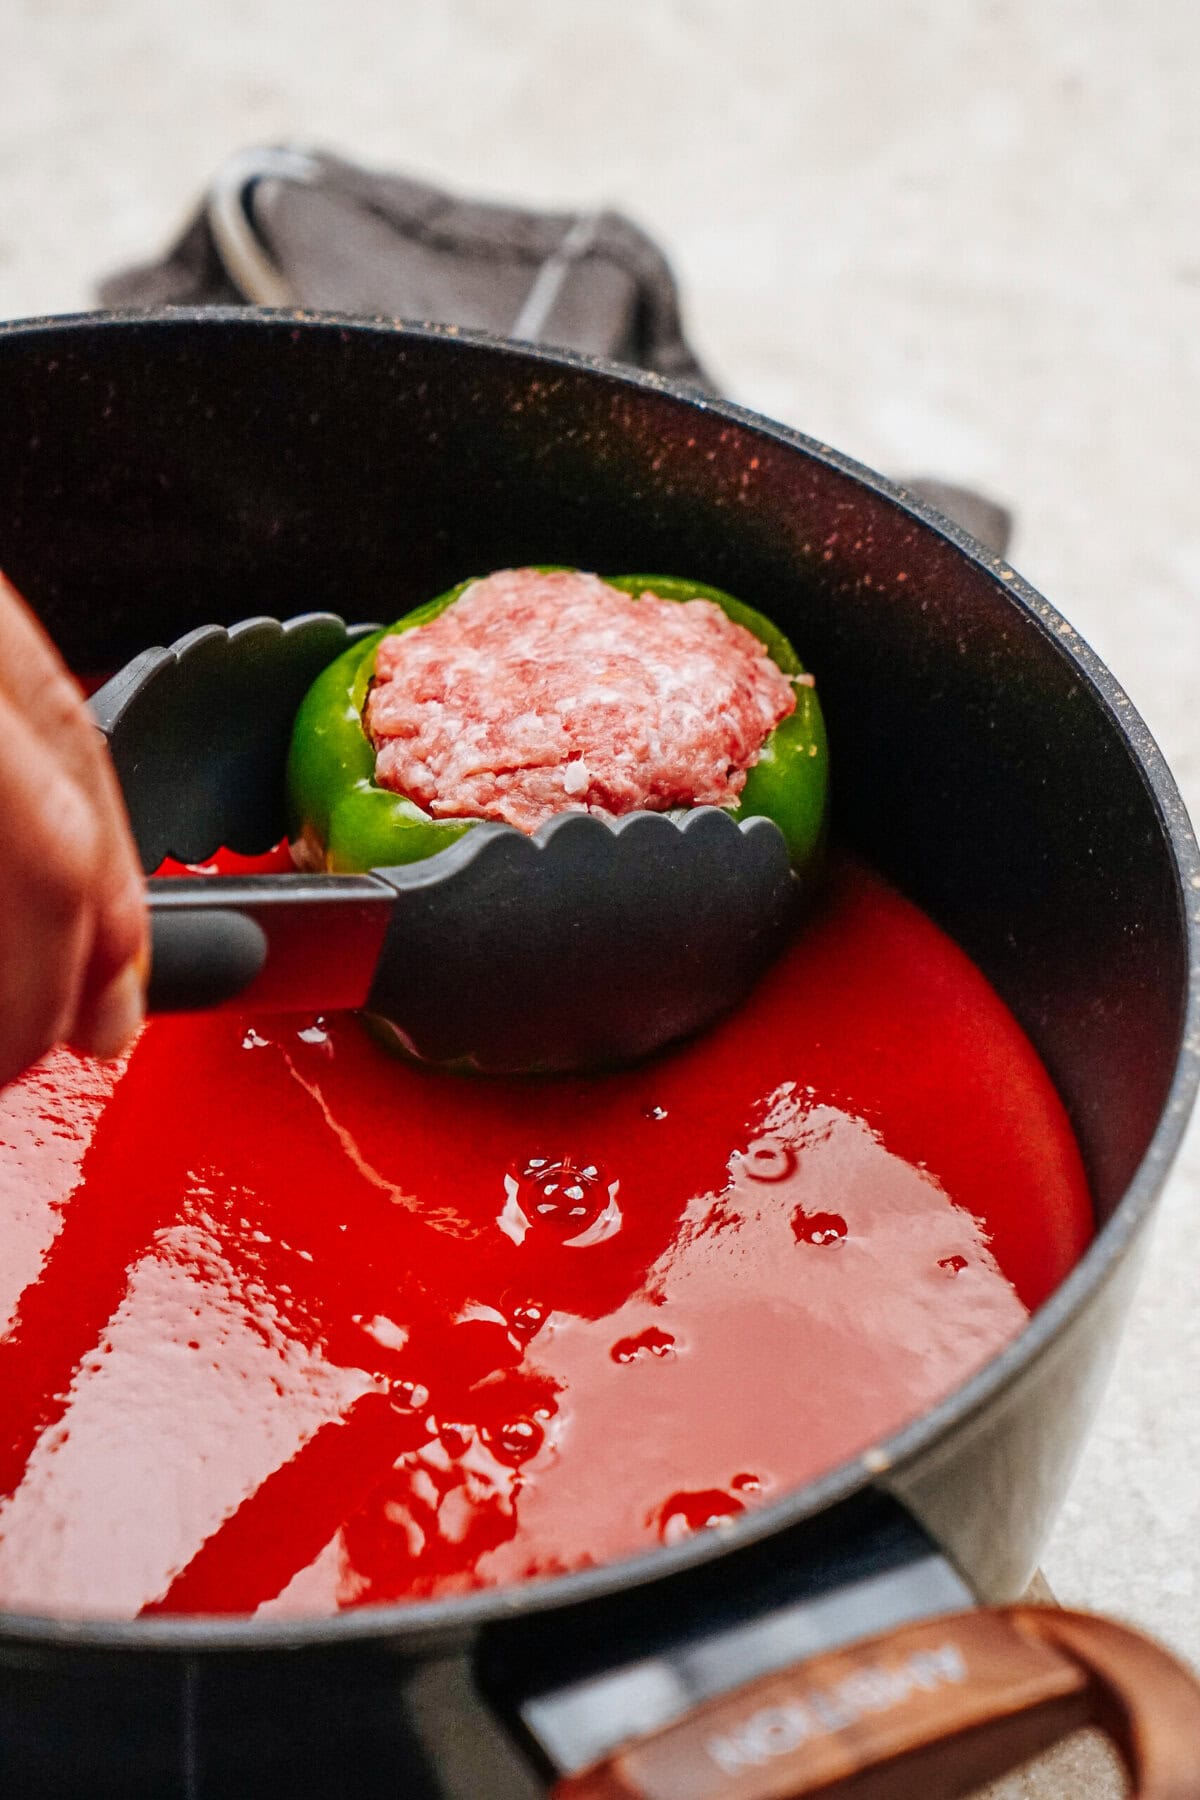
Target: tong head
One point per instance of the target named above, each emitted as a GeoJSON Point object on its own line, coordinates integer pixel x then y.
{"type": "Point", "coordinates": [589, 945]}
{"type": "Point", "coordinates": [593, 943]}
{"type": "Point", "coordinates": [199, 732]}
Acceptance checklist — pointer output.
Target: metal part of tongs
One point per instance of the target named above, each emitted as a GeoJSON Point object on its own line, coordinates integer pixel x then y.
{"type": "Point", "coordinates": [591, 944]}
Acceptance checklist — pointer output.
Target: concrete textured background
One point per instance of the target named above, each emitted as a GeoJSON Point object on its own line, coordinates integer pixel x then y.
{"type": "Point", "coordinates": [954, 239]}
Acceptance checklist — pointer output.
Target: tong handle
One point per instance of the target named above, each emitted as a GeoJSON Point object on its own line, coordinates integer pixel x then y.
{"type": "Point", "coordinates": [201, 958]}
{"type": "Point", "coordinates": [289, 943]}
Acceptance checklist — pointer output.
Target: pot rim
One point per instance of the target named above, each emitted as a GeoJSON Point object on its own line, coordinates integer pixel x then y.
{"type": "Point", "coordinates": [413, 1625]}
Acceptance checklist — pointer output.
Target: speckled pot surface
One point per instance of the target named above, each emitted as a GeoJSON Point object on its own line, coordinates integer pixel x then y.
{"type": "Point", "coordinates": [162, 472]}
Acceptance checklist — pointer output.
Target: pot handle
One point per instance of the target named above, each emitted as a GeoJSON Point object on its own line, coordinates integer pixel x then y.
{"type": "Point", "coordinates": [934, 1709]}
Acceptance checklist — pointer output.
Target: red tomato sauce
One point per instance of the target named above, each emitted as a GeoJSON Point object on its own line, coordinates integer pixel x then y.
{"type": "Point", "coordinates": [287, 1325]}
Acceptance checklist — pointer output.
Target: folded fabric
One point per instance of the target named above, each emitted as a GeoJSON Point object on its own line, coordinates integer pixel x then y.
{"type": "Point", "coordinates": [289, 226]}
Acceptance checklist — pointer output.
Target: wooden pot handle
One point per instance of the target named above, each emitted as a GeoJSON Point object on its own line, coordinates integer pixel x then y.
{"type": "Point", "coordinates": [931, 1710]}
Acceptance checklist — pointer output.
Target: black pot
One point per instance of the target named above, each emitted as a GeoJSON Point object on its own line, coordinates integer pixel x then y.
{"type": "Point", "coordinates": [163, 472]}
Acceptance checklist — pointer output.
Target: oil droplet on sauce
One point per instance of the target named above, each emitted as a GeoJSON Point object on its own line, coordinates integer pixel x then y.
{"type": "Point", "coordinates": [769, 1159]}
{"type": "Point", "coordinates": [525, 1317]}
{"type": "Point", "coordinates": [516, 1440]}
{"type": "Point", "coordinates": [652, 1342]}
{"type": "Point", "coordinates": [456, 1440]}
{"type": "Point", "coordinates": [818, 1227]}
{"type": "Point", "coordinates": [684, 1514]}
{"type": "Point", "coordinates": [573, 1197]}
{"type": "Point", "coordinates": [562, 1193]}
{"type": "Point", "coordinates": [288, 1325]}
{"type": "Point", "coordinates": [408, 1396]}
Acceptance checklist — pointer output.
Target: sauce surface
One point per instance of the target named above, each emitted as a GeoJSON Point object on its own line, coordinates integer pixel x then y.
{"type": "Point", "coordinates": [287, 1325]}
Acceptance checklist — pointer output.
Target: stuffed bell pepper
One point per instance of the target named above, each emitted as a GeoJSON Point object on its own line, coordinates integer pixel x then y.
{"type": "Point", "coordinates": [532, 692]}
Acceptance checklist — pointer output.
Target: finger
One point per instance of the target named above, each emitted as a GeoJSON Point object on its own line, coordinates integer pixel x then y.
{"type": "Point", "coordinates": [46, 878]}
{"type": "Point", "coordinates": [28, 658]}
{"type": "Point", "coordinates": [108, 1019]}
{"type": "Point", "coordinates": [39, 686]}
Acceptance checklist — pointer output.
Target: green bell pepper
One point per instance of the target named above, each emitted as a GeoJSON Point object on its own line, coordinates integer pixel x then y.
{"type": "Point", "coordinates": [340, 820]}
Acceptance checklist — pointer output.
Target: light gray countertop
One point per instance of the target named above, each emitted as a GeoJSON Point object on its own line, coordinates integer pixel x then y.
{"type": "Point", "coordinates": [955, 240]}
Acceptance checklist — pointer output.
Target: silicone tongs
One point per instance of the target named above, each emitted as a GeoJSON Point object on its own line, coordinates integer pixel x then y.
{"type": "Point", "coordinates": [591, 944]}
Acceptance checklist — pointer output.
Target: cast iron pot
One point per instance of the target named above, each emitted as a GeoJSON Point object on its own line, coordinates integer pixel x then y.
{"type": "Point", "coordinates": [163, 472]}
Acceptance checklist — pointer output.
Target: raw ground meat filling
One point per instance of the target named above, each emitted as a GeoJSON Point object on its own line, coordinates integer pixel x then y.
{"type": "Point", "coordinates": [535, 694]}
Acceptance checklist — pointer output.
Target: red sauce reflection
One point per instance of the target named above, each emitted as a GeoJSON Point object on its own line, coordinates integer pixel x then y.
{"type": "Point", "coordinates": [292, 1326]}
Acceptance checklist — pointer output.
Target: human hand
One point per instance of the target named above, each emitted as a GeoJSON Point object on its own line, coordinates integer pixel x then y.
{"type": "Point", "coordinates": [72, 903]}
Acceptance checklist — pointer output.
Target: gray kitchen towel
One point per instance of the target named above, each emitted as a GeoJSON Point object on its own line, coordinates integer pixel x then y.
{"type": "Point", "coordinates": [289, 226]}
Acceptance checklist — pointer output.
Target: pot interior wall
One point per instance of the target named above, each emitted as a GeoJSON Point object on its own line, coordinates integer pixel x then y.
{"type": "Point", "coordinates": [156, 475]}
